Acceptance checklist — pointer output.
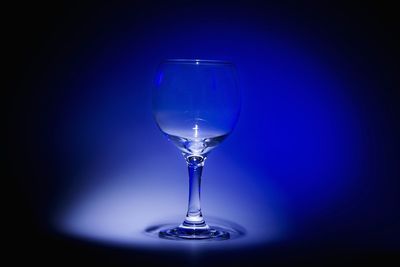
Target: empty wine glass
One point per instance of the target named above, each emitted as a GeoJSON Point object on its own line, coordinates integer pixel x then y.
{"type": "Point", "coordinates": [196, 104]}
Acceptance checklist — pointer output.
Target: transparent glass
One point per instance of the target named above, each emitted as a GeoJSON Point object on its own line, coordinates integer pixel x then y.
{"type": "Point", "coordinates": [196, 104]}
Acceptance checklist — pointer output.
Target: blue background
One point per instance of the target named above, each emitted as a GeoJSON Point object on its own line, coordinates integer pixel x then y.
{"type": "Point", "coordinates": [313, 161]}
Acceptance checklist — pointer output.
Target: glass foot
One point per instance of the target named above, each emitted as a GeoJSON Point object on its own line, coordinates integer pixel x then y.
{"type": "Point", "coordinates": [216, 229]}
{"type": "Point", "coordinates": [195, 233]}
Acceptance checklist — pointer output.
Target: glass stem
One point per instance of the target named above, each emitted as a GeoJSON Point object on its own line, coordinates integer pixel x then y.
{"type": "Point", "coordinates": [194, 218]}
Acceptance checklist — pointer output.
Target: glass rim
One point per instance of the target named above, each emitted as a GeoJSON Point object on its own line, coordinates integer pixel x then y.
{"type": "Point", "coordinates": [198, 61]}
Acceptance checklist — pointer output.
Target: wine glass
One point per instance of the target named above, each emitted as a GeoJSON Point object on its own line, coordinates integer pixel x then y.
{"type": "Point", "coordinates": [196, 104]}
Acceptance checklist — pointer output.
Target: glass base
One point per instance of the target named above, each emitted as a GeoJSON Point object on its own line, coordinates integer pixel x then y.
{"type": "Point", "coordinates": [217, 229]}
{"type": "Point", "coordinates": [194, 233]}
